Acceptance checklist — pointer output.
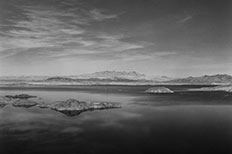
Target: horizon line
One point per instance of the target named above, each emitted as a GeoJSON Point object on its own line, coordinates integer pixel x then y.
{"type": "Point", "coordinates": [116, 71]}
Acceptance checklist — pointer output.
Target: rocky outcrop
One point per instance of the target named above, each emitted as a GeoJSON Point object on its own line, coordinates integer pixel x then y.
{"type": "Point", "coordinates": [24, 103]}
{"type": "Point", "coordinates": [72, 107]}
{"type": "Point", "coordinates": [20, 96]}
{"type": "Point", "coordinates": [17, 100]}
{"type": "Point", "coordinates": [4, 101]}
{"type": "Point", "coordinates": [60, 79]}
{"type": "Point", "coordinates": [159, 90]}
{"type": "Point", "coordinates": [227, 88]}
{"type": "Point", "coordinates": [43, 105]}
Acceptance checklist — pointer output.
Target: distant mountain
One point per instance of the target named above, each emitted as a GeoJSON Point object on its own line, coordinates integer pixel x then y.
{"type": "Point", "coordinates": [206, 79]}
{"type": "Point", "coordinates": [161, 78]}
{"type": "Point", "coordinates": [123, 75]}
{"type": "Point", "coordinates": [105, 76]}
{"type": "Point", "coordinates": [110, 76]}
{"type": "Point", "coordinates": [66, 79]}
{"type": "Point", "coordinates": [60, 79]}
{"type": "Point", "coordinates": [114, 75]}
{"type": "Point", "coordinates": [22, 78]}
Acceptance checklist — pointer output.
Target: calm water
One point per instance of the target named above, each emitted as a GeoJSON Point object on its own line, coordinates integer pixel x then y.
{"type": "Point", "coordinates": [181, 123]}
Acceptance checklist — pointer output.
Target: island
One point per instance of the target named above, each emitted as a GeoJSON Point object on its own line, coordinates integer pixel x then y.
{"type": "Point", "coordinates": [70, 107]}
{"type": "Point", "coordinates": [159, 90]}
{"type": "Point", "coordinates": [24, 103]}
{"type": "Point", "coordinates": [20, 96]}
{"type": "Point", "coordinates": [226, 88]}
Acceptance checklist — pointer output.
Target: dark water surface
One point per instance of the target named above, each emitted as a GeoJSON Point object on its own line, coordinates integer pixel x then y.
{"type": "Point", "coordinates": [181, 123]}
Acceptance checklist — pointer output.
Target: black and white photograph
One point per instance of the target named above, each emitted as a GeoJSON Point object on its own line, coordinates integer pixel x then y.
{"type": "Point", "coordinates": [115, 77]}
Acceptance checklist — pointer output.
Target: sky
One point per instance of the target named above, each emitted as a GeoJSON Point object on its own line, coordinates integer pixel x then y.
{"type": "Point", "coordinates": [156, 37]}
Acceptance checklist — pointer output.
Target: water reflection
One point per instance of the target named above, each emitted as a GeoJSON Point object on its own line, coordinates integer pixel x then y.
{"type": "Point", "coordinates": [135, 128]}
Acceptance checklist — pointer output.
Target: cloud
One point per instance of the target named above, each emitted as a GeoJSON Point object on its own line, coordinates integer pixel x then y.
{"type": "Point", "coordinates": [96, 46]}
{"type": "Point", "coordinates": [185, 19]}
{"type": "Point", "coordinates": [114, 43]}
{"type": "Point", "coordinates": [128, 55]}
{"type": "Point", "coordinates": [99, 15]}
{"type": "Point", "coordinates": [40, 28]}
{"type": "Point", "coordinates": [55, 33]}
{"type": "Point", "coordinates": [141, 55]}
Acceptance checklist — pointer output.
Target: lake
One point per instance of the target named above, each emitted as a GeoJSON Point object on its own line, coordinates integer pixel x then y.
{"type": "Point", "coordinates": [179, 123]}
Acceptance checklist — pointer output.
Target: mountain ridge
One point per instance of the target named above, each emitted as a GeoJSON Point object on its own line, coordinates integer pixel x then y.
{"type": "Point", "coordinates": [120, 76]}
{"type": "Point", "coordinates": [116, 76]}
{"type": "Point", "coordinates": [218, 78]}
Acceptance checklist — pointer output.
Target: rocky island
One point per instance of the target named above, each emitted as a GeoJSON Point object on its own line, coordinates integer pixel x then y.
{"type": "Point", "coordinates": [24, 103]}
{"type": "Point", "coordinates": [70, 107]}
{"type": "Point", "coordinates": [159, 90]}
{"type": "Point", "coordinates": [20, 96]}
{"type": "Point", "coordinates": [4, 101]}
{"type": "Point", "coordinates": [21, 100]}
{"type": "Point", "coordinates": [226, 88]}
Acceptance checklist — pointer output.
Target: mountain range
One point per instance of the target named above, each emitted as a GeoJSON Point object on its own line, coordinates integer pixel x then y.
{"type": "Point", "coordinates": [206, 79]}
{"type": "Point", "coordinates": [118, 77]}
{"type": "Point", "coordinates": [110, 76]}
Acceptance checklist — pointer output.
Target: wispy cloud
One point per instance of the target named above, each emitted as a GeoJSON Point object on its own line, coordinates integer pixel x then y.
{"type": "Point", "coordinates": [41, 28]}
{"type": "Point", "coordinates": [96, 46]}
{"type": "Point", "coordinates": [51, 32]}
{"type": "Point", "coordinates": [139, 55]}
{"type": "Point", "coordinates": [185, 19]}
{"type": "Point", "coordinates": [99, 15]}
